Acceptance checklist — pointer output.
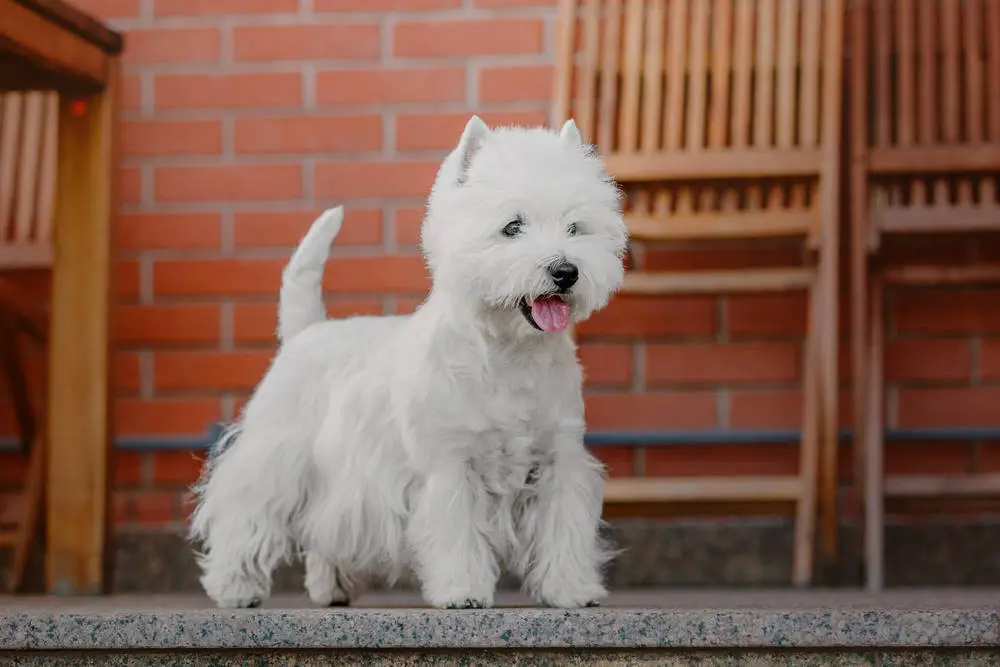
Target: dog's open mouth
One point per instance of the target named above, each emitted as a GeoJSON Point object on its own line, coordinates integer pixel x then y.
{"type": "Point", "coordinates": [546, 313]}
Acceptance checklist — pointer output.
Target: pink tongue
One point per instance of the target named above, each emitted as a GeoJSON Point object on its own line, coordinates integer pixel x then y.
{"type": "Point", "coordinates": [550, 313]}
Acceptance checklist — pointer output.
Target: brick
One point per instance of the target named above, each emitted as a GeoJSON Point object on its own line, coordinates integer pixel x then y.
{"type": "Point", "coordinates": [177, 325]}
{"type": "Point", "coordinates": [990, 359]}
{"type": "Point", "coordinates": [258, 322]}
{"type": "Point", "coordinates": [433, 131]}
{"type": "Point", "coordinates": [227, 183]}
{"type": "Point", "coordinates": [521, 83]}
{"type": "Point", "coordinates": [338, 180]}
{"type": "Point", "coordinates": [13, 469]}
{"type": "Point", "coordinates": [919, 359]}
{"type": "Point", "coordinates": [664, 410]}
{"type": "Point", "coordinates": [164, 417]}
{"type": "Point", "coordinates": [766, 315]}
{"type": "Point", "coordinates": [180, 468]}
{"type": "Point", "coordinates": [286, 228]}
{"type": "Point", "coordinates": [191, 370]}
{"type": "Point", "coordinates": [390, 86]}
{"type": "Point", "coordinates": [716, 363]}
{"type": "Point", "coordinates": [407, 305]}
{"type": "Point", "coordinates": [659, 316]}
{"type": "Point", "coordinates": [948, 406]}
{"type": "Point", "coordinates": [127, 279]}
{"type": "Point", "coordinates": [228, 91]}
{"type": "Point", "coordinates": [408, 223]}
{"type": "Point", "coordinates": [306, 42]}
{"type": "Point", "coordinates": [224, 7]}
{"type": "Point", "coordinates": [172, 45]}
{"type": "Point", "coordinates": [120, 510]}
{"type": "Point", "coordinates": [606, 363]}
{"type": "Point", "coordinates": [730, 460]}
{"type": "Point", "coordinates": [308, 134]}
{"type": "Point", "coordinates": [139, 231]}
{"type": "Point", "coordinates": [765, 409]}
{"type": "Point", "coordinates": [514, 3]}
{"type": "Point", "coordinates": [129, 185]}
{"type": "Point", "coordinates": [151, 508]}
{"type": "Point", "coordinates": [383, 5]}
{"type": "Point", "coordinates": [618, 460]}
{"type": "Point", "coordinates": [180, 137]}
{"type": "Point", "coordinates": [423, 39]}
{"type": "Point", "coordinates": [989, 457]}
{"type": "Point", "coordinates": [928, 458]}
{"type": "Point", "coordinates": [109, 9]}
{"type": "Point", "coordinates": [224, 277]}
{"type": "Point", "coordinates": [131, 92]}
{"type": "Point", "coordinates": [946, 310]}
{"type": "Point", "coordinates": [126, 372]}
{"type": "Point", "coordinates": [127, 468]}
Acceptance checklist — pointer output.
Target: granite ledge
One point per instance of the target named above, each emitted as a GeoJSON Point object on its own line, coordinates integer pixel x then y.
{"type": "Point", "coordinates": [631, 620]}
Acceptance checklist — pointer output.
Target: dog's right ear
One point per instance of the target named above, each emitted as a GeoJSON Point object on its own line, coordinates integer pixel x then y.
{"type": "Point", "coordinates": [472, 139]}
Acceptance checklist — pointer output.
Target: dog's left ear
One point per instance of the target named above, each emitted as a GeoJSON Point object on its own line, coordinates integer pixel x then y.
{"type": "Point", "coordinates": [470, 143]}
{"type": "Point", "coordinates": [570, 133]}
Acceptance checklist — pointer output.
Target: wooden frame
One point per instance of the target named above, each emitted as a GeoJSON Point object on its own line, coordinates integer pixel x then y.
{"type": "Point", "coordinates": [925, 158]}
{"type": "Point", "coordinates": [721, 119]}
{"type": "Point", "coordinates": [48, 45]}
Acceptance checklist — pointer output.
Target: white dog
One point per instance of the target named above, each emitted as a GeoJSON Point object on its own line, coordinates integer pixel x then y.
{"type": "Point", "coordinates": [449, 441]}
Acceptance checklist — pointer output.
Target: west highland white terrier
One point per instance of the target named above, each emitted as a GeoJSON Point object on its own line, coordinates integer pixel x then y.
{"type": "Point", "coordinates": [449, 441]}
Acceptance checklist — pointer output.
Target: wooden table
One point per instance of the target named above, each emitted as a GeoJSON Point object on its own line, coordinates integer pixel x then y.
{"type": "Point", "coordinates": [48, 45]}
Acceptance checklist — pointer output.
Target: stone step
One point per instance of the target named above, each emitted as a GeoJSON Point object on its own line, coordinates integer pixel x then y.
{"type": "Point", "coordinates": [704, 628]}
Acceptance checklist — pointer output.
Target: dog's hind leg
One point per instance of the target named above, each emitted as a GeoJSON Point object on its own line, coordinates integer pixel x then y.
{"type": "Point", "coordinates": [327, 583]}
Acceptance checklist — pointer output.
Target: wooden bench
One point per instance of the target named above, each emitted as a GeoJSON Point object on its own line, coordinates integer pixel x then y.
{"type": "Point", "coordinates": [722, 121]}
{"type": "Point", "coordinates": [924, 159]}
{"type": "Point", "coordinates": [47, 45]}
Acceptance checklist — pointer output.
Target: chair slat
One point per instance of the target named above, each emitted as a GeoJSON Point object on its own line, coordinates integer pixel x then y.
{"type": "Point", "coordinates": [905, 84]}
{"type": "Point", "coordinates": [653, 74]}
{"type": "Point", "coordinates": [697, 76]}
{"type": "Point", "coordinates": [722, 35]}
{"type": "Point", "coordinates": [950, 75]}
{"type": "Point", "coordinates": [48, 168]}
{"type": "Point", "coordinates": [812, 21]}
{"type": "Point", "coordinates": [628, 126]}
{"type": "Point", "coordinates": [993, 67]}
{"type": "Point", "coordinates": [764, 75]}
{"type": "Point", "coordinates": [928, 75]}
{"type": "Point", "coordinates": [607, 107]}
{"type": "Point", "coordinates": [10, 135]}
{"type": "Point", "coordinates": [882, 36]}
{"type": "Point", "coordinates": [971, 39]}
{"type": "Point", "coordinates": [27, 174]}
{"type": "Point", "coordinates": [677, 61]}
{"type": "Point", "coordinates": [787, 65]}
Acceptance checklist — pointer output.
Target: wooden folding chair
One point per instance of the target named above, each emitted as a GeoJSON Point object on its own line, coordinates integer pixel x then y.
{"type": "Point", "coordinates": [28, 141]}
{"type": "Point", "coordinates": [925, 159]}
{"type": "Point", "coordinates": [721, 119]}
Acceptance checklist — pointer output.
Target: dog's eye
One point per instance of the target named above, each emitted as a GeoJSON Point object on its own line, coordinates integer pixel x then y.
{"type": "Point", "coordinates": [512, 228]}
{"type": "Point", "coordinates": [571, 230]}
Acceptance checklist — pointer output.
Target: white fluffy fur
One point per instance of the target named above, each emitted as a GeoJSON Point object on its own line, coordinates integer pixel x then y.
{"type": "Point", "coordinates": [449, 441]}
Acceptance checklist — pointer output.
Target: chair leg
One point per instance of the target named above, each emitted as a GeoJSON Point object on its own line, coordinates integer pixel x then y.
{"type": "Point", "coordinates": [809, 454]}
{"type": "Point", "coordinates": [874, 446]}
{"type": "Point", "coordinates": [828, 336]}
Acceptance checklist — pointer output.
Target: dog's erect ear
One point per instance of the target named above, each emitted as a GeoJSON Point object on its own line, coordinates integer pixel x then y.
{"type": "Point", "coordinates": [570, 133]}
{"type": "Point", "coordinates": [472, 139]}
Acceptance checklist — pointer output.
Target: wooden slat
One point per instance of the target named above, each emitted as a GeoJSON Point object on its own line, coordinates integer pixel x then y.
{"type": "Point", "coordinates": [32, 121]}
{"type": "Point", "coordinates": [927, 76]}
{"type": "Point", "coordinates": [952, 486]}
{"type": "Point", "coordinates": [673, 112]}
{"type": "Point", "coordinates": [882, 37]}
{"type": "Point", "coordinates": [607, 106]}
{"type": "Point", "coordinates": [26, 256]}
{"type": "Point", "coordinates": [787, 64]}
{"type": "Point", "coordinates": [45, 209]}
{"type": "Point", "coordinates": [935, 159]}
{"type": "Point", "coordinates": [49, 45]}
{"type": "Point", "coordinates": [717, 282]}
{"type": "Point", "coordinates": [628, 126]}
{"type": "Point", "coordinates": [811, 40]}
{"type": "Point", "coordinates": [722, 29]}
{"type": "Point", "coordinates": [972, 23]}
{"type": "Point", "coordinates": [697, 76]}
{"type": "Point", "coordinates": [905, 83]}
{"type": "Point", "coordinates": [727, 163]}
{"type": "Point", "coordinates": [587, 100]}
{"type": "Point", "coordinates": [983, 274]}
{"type": "Point", "coordinates": [940, 218]}
{"type": "Point", "coordinates": [742, 73]}
{"type": "Point", "coordinates": [950, 77]}
{"type": "Point", "coordinates": [993, 67]}
{"type": "Point", "coordinates": [653, 75]}
{"type": "Point", "coordinates": [764, 75]}
{"type": "Point", "coordinates": [562, 96]}
{"type": "Point", "coordinates": [702, 489]}
{"type": "Point", "coordinates": [732, 225]}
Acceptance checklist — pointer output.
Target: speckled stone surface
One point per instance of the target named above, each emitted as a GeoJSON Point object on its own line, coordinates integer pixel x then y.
{"type": "Point", "coordinates": [634, 620]}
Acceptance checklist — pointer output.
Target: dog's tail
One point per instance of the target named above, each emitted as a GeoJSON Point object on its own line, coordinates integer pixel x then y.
{"type": "Point", "coordinates": [300, 304]}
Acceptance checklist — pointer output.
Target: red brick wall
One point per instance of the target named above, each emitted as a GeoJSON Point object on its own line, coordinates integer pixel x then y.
{"type": "Point", "coordinates": [239, 127]}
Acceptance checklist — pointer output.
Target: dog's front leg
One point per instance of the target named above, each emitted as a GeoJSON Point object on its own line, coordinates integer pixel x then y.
{"type": "Point", "coordinates": [561, 530]}
{"type": "Point", "coordinates": [454, 562]}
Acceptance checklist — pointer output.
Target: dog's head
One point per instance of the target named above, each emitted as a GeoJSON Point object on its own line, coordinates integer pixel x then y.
{"type": "Point", "coordinates": [525, 221]}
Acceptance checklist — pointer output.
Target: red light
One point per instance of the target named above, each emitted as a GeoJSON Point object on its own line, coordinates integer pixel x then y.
{"type": "Point", "coordinates": [78, 107]}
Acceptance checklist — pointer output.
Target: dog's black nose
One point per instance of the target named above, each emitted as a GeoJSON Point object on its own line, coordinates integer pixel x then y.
{"type": "Point", "coordinates": [564, 275]}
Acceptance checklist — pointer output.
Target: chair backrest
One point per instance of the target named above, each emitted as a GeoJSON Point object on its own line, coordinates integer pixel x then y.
{"type": "Point", "coordinates": [704, 92]}
{"type": "Point", "coordinates": [28, 149]}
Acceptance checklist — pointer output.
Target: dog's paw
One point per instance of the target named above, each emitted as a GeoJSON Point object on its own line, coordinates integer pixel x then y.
{"type": "Point", "coordinates": [239, 603]}
{"type": "Point", "coordinates": [575, 597]}
{"type": "Point", "coordinates": [467, 603]}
